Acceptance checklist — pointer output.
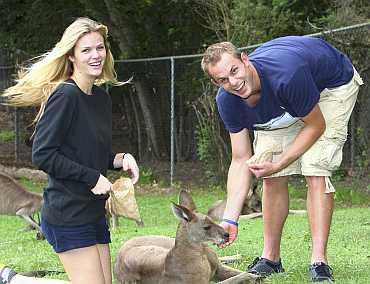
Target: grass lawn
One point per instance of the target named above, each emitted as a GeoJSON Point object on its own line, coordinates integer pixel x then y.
{"type": "Point", "coordinates": [349, 244]}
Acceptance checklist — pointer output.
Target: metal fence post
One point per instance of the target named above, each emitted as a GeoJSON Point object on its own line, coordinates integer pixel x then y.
{"type": "Point", "coordinates": [172, 119]}
{"type": "Point", "coordinates": [16, 131]}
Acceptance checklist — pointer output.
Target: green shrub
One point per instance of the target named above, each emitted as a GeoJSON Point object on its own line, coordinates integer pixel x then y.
{"type": "Point", "coordinates": [147, 176]}
{"type": "Point", "coordinates": [213, 146]}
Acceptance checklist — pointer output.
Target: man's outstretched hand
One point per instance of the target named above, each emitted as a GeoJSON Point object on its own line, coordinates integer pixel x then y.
{"type": "Point", "coordinates": [233, 233]}
{"type": "Point", "coordinates": [263, 169]}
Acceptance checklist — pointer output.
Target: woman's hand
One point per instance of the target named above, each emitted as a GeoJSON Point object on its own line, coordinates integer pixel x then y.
{"type": "Point", "coordinates": [103, 186]}
{"type": "Point", "coordinates": [129, 163]}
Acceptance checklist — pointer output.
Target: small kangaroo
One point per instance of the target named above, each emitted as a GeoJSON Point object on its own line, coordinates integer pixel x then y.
{"type": "Point", "coordinates": [16, 200]}
{"type": "Point", "coordinates": [252, 207]}
{"type": "Point", "coordinates": [183, 260]}
{"type": "Point", "coordinates": [252, 204]}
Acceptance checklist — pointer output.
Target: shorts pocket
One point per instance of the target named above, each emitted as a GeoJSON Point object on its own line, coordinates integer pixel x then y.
{"type": "Point", "coordinates": [337, 135]}
{"type": "Point", "coordinates": [329, 155]}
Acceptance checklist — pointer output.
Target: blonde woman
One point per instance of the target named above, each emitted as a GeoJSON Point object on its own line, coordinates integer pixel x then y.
{"type": "Point", "coordinates": [72, 144]}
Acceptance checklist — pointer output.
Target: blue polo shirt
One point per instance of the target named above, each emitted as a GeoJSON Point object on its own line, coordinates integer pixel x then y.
{"type": "Point", "coordinates": [293, 70]}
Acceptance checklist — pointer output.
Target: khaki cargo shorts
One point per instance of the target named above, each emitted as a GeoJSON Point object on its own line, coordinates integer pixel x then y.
{"type": "Point", "coordinates": [325, 155]}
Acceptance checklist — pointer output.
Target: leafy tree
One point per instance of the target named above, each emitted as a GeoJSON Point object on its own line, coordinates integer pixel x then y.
{"type": "Point", "coordinates": [246, 22]}
{"type": "Point", "coordinates": [33, 27]}
{"type": "Point", "coordinates": [253, 21]}
{"type": "Point", "coordinates": [140, 28]}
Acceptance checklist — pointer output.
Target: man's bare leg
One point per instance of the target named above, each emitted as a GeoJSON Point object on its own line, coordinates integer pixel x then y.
{"type": "Point", "coordinates": [275, 208]}
{"type": "Point", "coordinates": [320, 211]}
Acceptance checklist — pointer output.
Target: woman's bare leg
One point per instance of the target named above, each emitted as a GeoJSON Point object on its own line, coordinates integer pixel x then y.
{"type": "Point", "coordinates": [105, 261]}
{"type": "Point", "coordinates": [83, 265]}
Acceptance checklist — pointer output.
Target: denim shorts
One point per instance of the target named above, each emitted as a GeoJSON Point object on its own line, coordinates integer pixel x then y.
{"type": "Point", "coordinates": [64, 238]}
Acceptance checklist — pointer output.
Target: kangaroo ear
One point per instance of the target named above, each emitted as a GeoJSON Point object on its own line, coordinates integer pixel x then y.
{"type": "Point", "coordinates": [252, 188]}
{"type": "Point", "coordinates": [182, 212]}
{"type": "Point", "coordinates": [217, 209]}
{"type": "Point", "coordinates": [186, 200]}
{"type": "Point", "coordinates": [254, 185]}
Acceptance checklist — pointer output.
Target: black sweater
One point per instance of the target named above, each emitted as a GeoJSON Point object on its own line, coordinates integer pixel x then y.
{"type": "Point", "coordinates": [73, 146]}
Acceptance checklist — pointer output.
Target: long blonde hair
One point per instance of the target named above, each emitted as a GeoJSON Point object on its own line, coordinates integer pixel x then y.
{"type": "Point", "coordinates": [36, 83]}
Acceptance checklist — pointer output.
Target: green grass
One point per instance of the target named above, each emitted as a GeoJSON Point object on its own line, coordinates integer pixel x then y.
{"type": "Point", "coordinates": [7, 136]}
{"type": "Point", "coordinates": [348, 252]}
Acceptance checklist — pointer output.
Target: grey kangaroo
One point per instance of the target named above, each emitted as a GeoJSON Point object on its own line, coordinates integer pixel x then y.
{"type": "Point", "coordinates": [252, 207]}
{"type": "Point", "coordinates": [252, 204]}
{"type": "Point", "coordinates": [16, 200]}
{"type": "Point", "coordinates": [183, 260]}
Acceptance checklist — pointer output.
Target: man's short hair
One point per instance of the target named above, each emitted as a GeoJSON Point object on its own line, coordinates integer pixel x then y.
{"type": "Point", "coordinates": [214, 52]}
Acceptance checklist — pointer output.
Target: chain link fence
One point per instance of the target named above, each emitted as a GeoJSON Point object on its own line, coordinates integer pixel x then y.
{"type": "Point", "coordinates": [155, 119]}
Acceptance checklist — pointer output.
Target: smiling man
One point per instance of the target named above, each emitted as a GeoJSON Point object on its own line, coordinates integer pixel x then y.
{"type": "Point", "coordinates": [296, 94]}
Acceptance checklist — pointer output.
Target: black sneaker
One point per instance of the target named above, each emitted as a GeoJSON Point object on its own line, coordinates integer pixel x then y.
{"type": "Point", "coordinates": [264, 267]}
{"type": "Point", "coordinates": [320, 271]}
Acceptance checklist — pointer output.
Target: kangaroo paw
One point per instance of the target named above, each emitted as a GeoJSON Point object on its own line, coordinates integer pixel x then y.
{"type": "Point", "coordinates": [244, 277]}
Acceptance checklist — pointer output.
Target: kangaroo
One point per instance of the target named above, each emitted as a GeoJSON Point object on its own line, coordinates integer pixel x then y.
{"type": "Point", "coordinates": [251, 205]}
{"type": "Point", "coordinates": [183, 260]}
{"type": "Point", "coordinates": [16, 200]}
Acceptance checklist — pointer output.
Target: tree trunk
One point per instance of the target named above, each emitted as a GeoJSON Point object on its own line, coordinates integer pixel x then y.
{"type": "Point", "coordinates": [138, 127]}
{"type": "Point", "coordinates": [119, 27]}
